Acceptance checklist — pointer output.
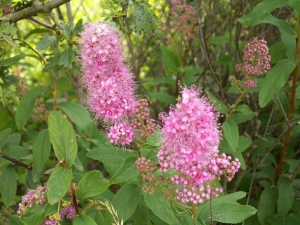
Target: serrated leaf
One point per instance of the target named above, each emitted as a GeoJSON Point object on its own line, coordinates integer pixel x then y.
{"type": "Point", "coordinates": [286, 195]}
{"type": "Point", "coordinates": [15, 152]}
{"type": "Point", "coordinates": [275, 79]}
{"type": "Point", "coordinates": [170, 59]}
{"type": "Point", "coordinates": [62, 138]}
{"type": "Point", "coordinates": [58, 184]}
{"type": "Point", "coordinates": [244, 143]}
{"type": "Point", "coordinates": [141, 214]}
{"type": "Point", "coordinates": [8, 185]}
{"type": "Point", "coordinates": [41, 150]}
{"type": "Point", "coordinates": [204, 208]}
{"type": "Point", "coordinates": [144, 20]}
{"type": "Point", "coordinates": [45, 43]}
{"type": "Point", "coordinates": [66, 58]}
{"type": "Point", "coordinates": [7, 32]}
{"type": "Point", "coordinates": [83, 220]}
{"type": "Point", "coordinates": [266, 204]}
{"type": "Point", "coordinates": [231, 134]}
{"type": "Point", "coordinates": [78, 28]}
{"type": "Point", "coordinates": [63, 84]}
{"type": "Point", "coordinates": [25, 108]}
{"type": "Point", "coordinates": [160, 207]}
{"type": "Point", "coordinates": [126, 172]}
{"type": "Point", "coordinates": [126, 200]}
{"type": "Point", "coordinates": [163, 97]}
{"type": "Point", "coordinates": [4, 135]}
{"type": "Point", "coordinates": [80, 116]}
{"type": "Point", "coordinates": [244, 109]}
{"type": "Point", "coordinates": [112, 158]}
{"type": "Point", "coordinates": [219, 105]}
{"type": "Point", "coordinates": [229, 212]}
{"type": "Point", "coordinates": [91, 184]}
{"type": "Point", "coordinates": [240, 117]}
{"type": "Point", "coordinates": [289, 42]}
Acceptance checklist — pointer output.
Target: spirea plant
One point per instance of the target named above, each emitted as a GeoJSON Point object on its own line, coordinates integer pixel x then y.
{"type": "Point", "coordinates": [109, 116]}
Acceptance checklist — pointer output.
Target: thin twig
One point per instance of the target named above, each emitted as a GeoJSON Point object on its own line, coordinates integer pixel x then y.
{"type": "Point", "coordinates": [15, 161]}
{"type": "Point", "coordinates": [47, 25]}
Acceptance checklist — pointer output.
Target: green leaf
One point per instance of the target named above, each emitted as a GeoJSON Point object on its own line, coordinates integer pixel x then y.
{"type": "Point", "coordinates": [160, 207]}
{"type": "Point", "coordinates": [160, 81]}
{"type": "Point", "coordinates": [12, 60]}
{"type": "Point", "coordinates": [126, 172]}
{"type": "Point", "coordinates": [275, 79]}
{"type": "Point", "coordinates": [144, 19]}
{"type": "Point", "coordinates": [45, 43]}
{"type": "Point", "coordinates": [220, 106]}
{"type": "Point", "coordinates": [126, 200]}
{"type": "Point", "coordinates": [15, 152]}
{"type": "Point", "coordinates": [141, 214]}
{"type": "Point", "coordinates": [244, 143]}
{"type": "Point", "coordinates": [25, 108]}
{"type": "Point", "coordinates": [80, 116]}
{"type": "Point", "coordinates": [63, 84]}
{"type": "Point", "coordinates": [41, 150]}
{"type": "Point", "coordinates": [163, 97]}
{"type": "Point", "coordinates": [91, 184]}
{"type": "Point", "coordinates": [204, 209]}
{"type": "Point", "coordinates": [66, 58]}
{"type": "Point", "coordinates": [229, 212]}
{"type": "Point", "coordinates": [295, 4]}
{"type": "Point", "coordinates": [261, 9]}
{"type": "Point", "coordinates": [170, 59]}
{"type": "Point", "coordinates": [231, 134]}
{"type": "Point", "coordinates": [286, 195]}
{"type": "Point", "coordinates": [291, 219]}
{"type": "Point", "coordinates": [240, 117]}
{"type": "Point", "coordinates": [155, 140]}
{"type": "Point", "coordinates": [277, 52]}
{"type": "Point", "coordinates": [266, 205]}
{"type": "Point", "coordinates": [78, 28]}
{"type": "Point", "coordinates": [4, 135]}
{"type": "Point", "coordinates": [58, 184]}
{"type": "Point", "coordinates": [289, 42]}
{"type": "Point", "coordinates": [112, 158]}
{"type": "Point", "coordinates": [244, 109]}
{"type": "Point", "coordinates": [8, 185]}
{"type": "Point", "coordinates": [281, 24]}
{"type": "Point", "coordinates": [13, 140]}
{"type": "Point", "coordinates": [62, 138]}
{"type": "Point", "coordinates": [83, 220]}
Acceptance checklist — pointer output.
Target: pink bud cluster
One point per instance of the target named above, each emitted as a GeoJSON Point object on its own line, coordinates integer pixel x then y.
{"type": "Point", "coordinates": [190, 146]}
{"type": "Point", "coordinates": [256, 61]}
{"type": "Point", "coordinates": [30, 198]}
{"type": "Point", "coordinates": [37, 197]}
{"type": "Point", "coordinates": [104, 68]}
{"type": "Point", "coordinates": [142, 122]}
{"type": "Point", "coordinates": [184, 18]}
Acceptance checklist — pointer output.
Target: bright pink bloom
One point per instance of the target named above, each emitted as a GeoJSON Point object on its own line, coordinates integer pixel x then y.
{"type": "Point", "coordinates": [190, 146]}
{"type": "Point", "coordinates": [120, 133]}
{"type": "Point", "coordinates": [108, 80]}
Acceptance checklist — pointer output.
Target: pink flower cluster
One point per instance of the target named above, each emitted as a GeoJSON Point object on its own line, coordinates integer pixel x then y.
{"type": "Point", "coordinates": [120, 133]}
{"type": "Point", "coordinates": [184, 18]}
{"type": "Point", "coordinates": [37, 197]}
{"type": "Point", "coordinates": [30, 198]}
{"type": "Point", "coordinates": [104, 68]}
{"type": "Point", "coordinates": [190, 146]}
{"type": "Point", "coordinates": [256, 61]}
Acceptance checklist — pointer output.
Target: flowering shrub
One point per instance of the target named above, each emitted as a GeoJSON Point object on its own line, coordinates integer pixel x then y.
{"type": "Point", "coordinates": [149, 125]}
